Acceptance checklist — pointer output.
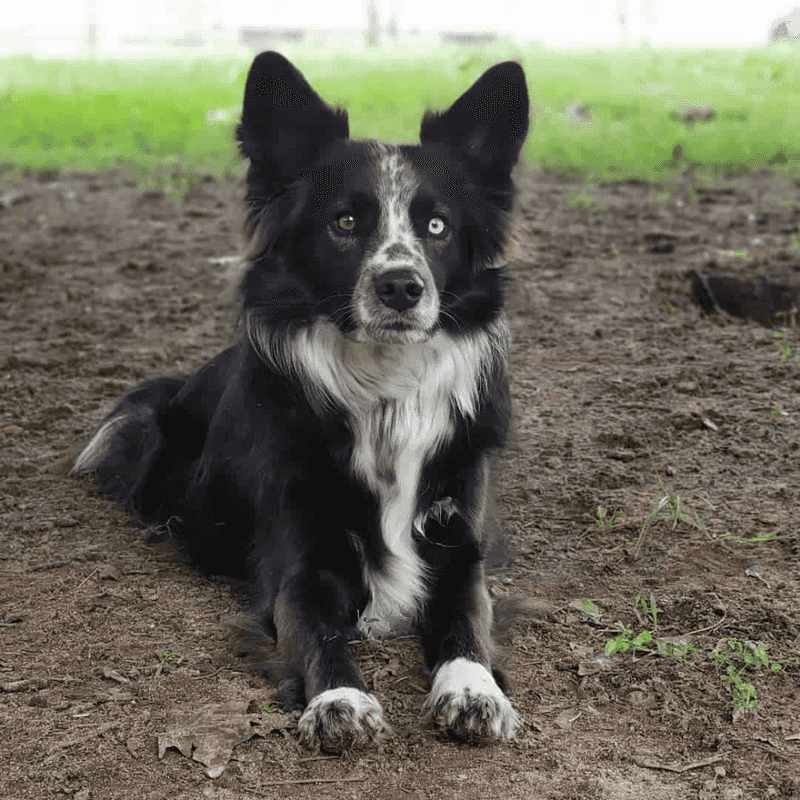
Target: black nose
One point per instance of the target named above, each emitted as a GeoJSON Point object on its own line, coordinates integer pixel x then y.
{"type": "Point", "coordinates": [399, 289]}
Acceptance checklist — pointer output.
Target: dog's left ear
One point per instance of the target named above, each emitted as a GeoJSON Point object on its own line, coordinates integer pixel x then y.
{"type": "Point", "coordinates": [487, 125]}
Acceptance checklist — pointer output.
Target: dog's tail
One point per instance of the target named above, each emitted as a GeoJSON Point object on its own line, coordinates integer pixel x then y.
{"type": "Point", "coordinates": [136, 452]}
{"type": "Point", "coordinates": [510, 610]}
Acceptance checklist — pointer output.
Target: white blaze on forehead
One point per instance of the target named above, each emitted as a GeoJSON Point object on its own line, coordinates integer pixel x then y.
{"type": "Point", "coordinates": [395, 246]}
{"type": "Point", "coordinates": [397, 183]}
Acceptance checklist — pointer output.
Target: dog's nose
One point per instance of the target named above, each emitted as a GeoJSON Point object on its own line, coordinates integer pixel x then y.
{"type": "Point", "coordinates": [399, 289]}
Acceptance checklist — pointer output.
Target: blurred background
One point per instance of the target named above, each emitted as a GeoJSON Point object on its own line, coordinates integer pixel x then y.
{"type": "Point", "coordinates": [620, 89]}
{"type": "Point", "coordinates": [108, 27]}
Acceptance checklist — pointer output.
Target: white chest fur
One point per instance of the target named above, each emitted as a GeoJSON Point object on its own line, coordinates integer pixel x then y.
{"type": "Point", "coordinates": [393, 441]}
{"type": "Point", "coordinates": [396, 433]}
{"type": "Point", "coordinates": [401, 402]}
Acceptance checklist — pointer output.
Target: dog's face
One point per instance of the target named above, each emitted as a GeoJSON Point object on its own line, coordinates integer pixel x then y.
{"type": "Point", "coordinates": [389, 242]}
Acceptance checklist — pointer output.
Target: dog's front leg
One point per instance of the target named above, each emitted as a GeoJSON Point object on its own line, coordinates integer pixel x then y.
{"type": "Point", "coordinates": [456, 626]}
{"type": "Point", "coordinates": [312, 617]}
{"type": "Point", "coordinates": [465, 697]}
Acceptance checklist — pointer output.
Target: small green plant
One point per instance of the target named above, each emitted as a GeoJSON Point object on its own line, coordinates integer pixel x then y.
{"type": "Point", "coordinates": [625, 641]}
{"type": "Point", "coordinates": [736, 658]}
{"type": "Point", "coordinates": [661, 196]}
{"type": "Point", "coordinates": [670, 507]}
{"type": "Point", "coordinates": [741, 255]}
{"type": "Point", "coordinates": [588, 606]}
{"type": "Point", "coordinates": [169, 658]}
{"type": "Point", "coordinates": [785, 352]}
{"type": "Point", "coordinates": [758, 539]}
{"type": "Point", "coordinates": [680, 651]}
{"type": "Point", "coordinates": [583, 200]}
{"type": "Point", "coordinates": [645, 642]}
{"type": "Point", "coordinates": [266, 708]}
{"type": "Point", "coordinates": [605, 521]}
{"type": "Point", "coordinates": [743, 694]}
{"type": "Point", "coordinates": [650, 610]}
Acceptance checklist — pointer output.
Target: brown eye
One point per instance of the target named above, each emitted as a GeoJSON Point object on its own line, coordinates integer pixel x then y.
{"type": "Point", "coordinates": [347, 222]}
{"type": "Point", "coordinates": [436, 226]}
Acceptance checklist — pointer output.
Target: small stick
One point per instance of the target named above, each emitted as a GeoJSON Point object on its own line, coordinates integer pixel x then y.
{"type": "Point", "coordinates": [651, 763]}
{"type": "Point", "coordinates": [297, 781]}
{"type": "Point", "coordinates": [710, 627]}
{"type": "Point", "coordinates": [209, 675]}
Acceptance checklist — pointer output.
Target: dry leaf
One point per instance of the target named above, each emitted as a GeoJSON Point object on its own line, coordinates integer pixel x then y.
{"type": "Point", "coordinates": [565, 719]}
{"type": "Point", "coordinates": [392, 668]}
{"type": "Point", "coordinates": [113, 675]}
{"type": "Point", "coordinates": [209, 734]}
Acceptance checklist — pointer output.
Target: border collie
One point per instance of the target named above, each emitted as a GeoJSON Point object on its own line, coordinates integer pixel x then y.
{"type": "Point", "coordinates": [339, 454]}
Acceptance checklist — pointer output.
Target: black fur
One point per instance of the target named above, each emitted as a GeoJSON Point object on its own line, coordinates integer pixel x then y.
{"type": "Point", "coordinates": [339, 455]}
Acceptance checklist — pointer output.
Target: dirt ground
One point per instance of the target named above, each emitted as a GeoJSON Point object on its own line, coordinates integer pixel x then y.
{"type": "Point", "coordinates": [628, 398]}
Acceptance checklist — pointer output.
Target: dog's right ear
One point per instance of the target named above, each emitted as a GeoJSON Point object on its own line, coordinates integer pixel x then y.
{"type": "Point", "coordinates": [285, 123]}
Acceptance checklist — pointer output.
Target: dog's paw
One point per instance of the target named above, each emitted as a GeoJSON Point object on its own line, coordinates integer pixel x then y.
{"type": "Point", "coordinates": [340, 719]}
{"type": "Point", "coordinates": [466, 700]}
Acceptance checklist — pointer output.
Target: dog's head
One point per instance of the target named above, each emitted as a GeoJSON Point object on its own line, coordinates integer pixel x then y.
{"type": "Point", "coordinates": [389, 242]}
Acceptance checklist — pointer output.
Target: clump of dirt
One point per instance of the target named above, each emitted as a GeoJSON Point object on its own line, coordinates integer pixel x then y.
{"type": "Point", "coordinates": [651, 499]}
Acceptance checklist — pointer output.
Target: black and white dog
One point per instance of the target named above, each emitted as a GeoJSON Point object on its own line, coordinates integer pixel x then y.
{"type": "Point", "coordinates": [339, 454]}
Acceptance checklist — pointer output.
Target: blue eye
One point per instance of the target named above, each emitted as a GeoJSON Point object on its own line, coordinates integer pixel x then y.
{"type": "Point", "coordinates": [436, 226]}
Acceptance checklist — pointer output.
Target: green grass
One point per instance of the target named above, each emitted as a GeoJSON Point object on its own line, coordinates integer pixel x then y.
{"type": "Point", "coordinates": [734, 658]}
{"type": "Point", "coordinates": [152, 117]}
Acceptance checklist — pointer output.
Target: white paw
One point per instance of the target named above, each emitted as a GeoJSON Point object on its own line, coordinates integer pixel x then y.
{"type": "Point", "coordinates": [340, 719]}
{"type": "Point", "coordinates": [466, 700]}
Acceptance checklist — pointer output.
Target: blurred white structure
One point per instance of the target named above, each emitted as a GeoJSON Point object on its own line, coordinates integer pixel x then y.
{"type": "Point", "coordinates": [786, 27]}
{"type": "Point", "coordinates": [105, 27]}
{"type": "Point", "coordinates": [109, 27]}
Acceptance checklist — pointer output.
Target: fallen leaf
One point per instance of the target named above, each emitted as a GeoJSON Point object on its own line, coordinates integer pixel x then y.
{"type": "Point", "coordinates": [209, 734]}
{"type": "Point", "coordinates": [597, 662]}
{"type": "Point", "coordinates": [392, 668]}
{"type": "Point", "coordinates": [114, 675]}
{"type": "Point", "coordinates": [110, 572]}
{"type": "Point", "coordinates": [565, 719]}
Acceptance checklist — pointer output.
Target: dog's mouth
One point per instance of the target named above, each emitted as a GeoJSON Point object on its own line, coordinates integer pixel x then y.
{"type": "Point", "coordinates": [396, 332]}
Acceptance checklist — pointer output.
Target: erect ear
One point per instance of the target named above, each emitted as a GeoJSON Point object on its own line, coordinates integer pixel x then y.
{"type": "Point", "coordinates": [285, 123]}
{"type": "Point", "coordinates": [487, 125]}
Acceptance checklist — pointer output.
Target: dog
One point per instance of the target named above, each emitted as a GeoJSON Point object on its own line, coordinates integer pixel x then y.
{"type": "Point", "coordinates": [339, 455]}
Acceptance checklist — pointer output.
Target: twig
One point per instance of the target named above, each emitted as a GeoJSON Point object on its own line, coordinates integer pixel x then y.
{"type": "Point", "coordinates": [651, 763]}
{"type": "Point", "coordinates": [710, 627]}
{"type": "Point", "coordinates": [85, 580]}
{"type": "Point", "coordinates": [298, 781]}
{"type": "Point", "coordinates": [210, 674]}
{"type": "Point", "coordinates": [319, 758]}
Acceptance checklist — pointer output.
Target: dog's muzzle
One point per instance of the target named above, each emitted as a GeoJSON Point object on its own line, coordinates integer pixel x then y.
{"type": "Point", "coordinates": [399, 289]}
